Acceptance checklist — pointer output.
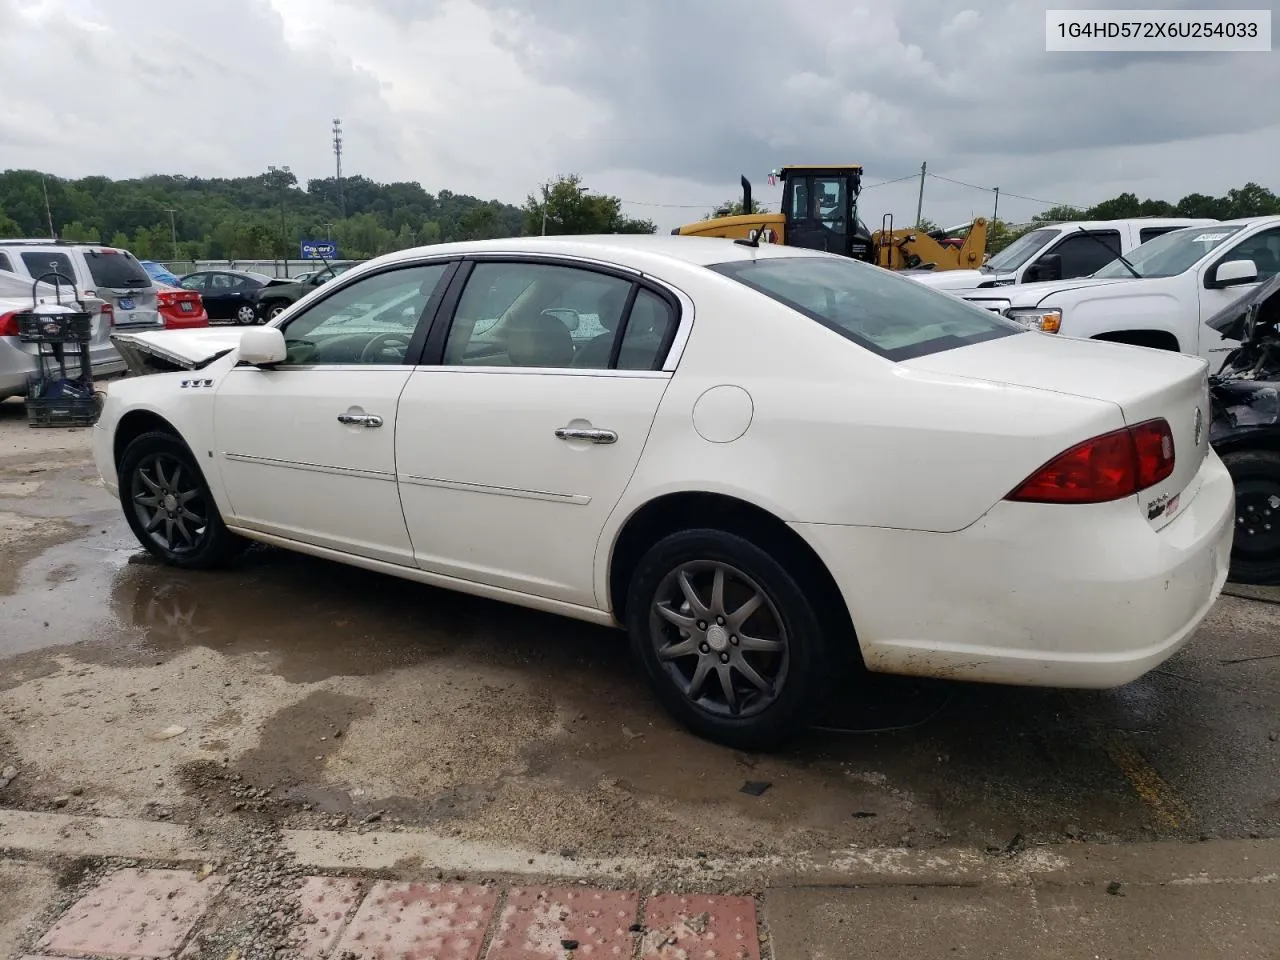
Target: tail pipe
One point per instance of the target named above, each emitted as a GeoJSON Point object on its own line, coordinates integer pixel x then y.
{"type": "Point", "coordinates": [746, 195]}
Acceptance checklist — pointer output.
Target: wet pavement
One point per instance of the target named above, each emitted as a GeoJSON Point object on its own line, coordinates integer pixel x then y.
{"type": "Point", "coordinates": [316, 694]}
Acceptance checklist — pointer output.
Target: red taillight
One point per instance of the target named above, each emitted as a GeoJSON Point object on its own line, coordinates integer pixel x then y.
{"type": "Point", "coordinates": [9, 323]}
{"type": "Point", "coordinates": [109, 314]}
{"type": "Point", "coordinates": [1108, 467]}
{"type": "Point", "coordinates": [166, 298]}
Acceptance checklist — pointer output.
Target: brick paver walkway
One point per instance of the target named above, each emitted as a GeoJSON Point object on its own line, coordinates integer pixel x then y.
{"type": "Point", "coordinates": [153, 914]}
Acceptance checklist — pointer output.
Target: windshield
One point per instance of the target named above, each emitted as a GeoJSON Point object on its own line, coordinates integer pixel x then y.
{"type": "Point", "coordinates": [1019, 252]}
{"type": "Point", "coordinates": [892, 316]}
{"type": "Point", "coordinates": [1171, 253]}
{"type": "Point", "coordinates": [116, 269]}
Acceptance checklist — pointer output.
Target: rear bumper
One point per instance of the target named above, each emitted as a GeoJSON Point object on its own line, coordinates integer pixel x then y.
{"type": "Point", "coordinates": [1062, 596]}
{"type": "Point", "coordinates": [184, 321]}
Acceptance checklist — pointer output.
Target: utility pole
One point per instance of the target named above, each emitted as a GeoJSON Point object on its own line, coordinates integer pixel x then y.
{"type": "Point", "coordinates": [328, 231]}
{"type": "Point", "coordinates": [337, 156]}
{"type": "Point", "coordinates": [48, 212]}
{"type": "Point", "coordinates": [996, 209]}
{"type": "Point", "coordinates": [920, 201]}
{"type": "Point", "coordinates": [544, 209]}
{"type": "Point", "coordinates": [281, 176]}
{"type": "Point", "coordinates": [173, 232]}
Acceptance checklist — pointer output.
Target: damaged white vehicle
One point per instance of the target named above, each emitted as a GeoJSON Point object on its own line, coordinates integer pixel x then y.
{"type": "Point", "coordinates": [762, 462]}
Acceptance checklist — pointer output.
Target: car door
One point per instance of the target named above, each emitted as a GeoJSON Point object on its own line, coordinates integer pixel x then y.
{"type": "Point", "coordinates": [1263, 248]}
{"type": "Point", "coordinates": [519, 433]}
{"type": "Point", "coordinates": [306, 449]}
{"type": "Point", "coordinates": [202, 283]}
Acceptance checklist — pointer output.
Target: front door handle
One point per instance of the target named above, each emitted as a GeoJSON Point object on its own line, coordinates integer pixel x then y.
{"type": "Point", "coordinates": [589, 434]}
{"type": "Point", "coordinates": [360, 419]}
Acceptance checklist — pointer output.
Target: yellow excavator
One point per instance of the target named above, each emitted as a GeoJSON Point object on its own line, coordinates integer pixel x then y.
{"type": "Point", "coordinates": [820, 212]}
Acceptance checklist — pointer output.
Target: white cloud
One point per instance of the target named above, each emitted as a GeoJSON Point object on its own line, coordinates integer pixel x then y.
{"type": "Point", "coordinates": [664, 101]}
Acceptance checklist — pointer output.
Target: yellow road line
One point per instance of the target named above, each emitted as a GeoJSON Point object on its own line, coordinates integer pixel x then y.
{"type": "Point", "coordinates": [1169, 809]}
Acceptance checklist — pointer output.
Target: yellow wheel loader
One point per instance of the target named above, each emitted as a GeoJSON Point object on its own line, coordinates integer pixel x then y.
{"type": "Point", "coordinates": [820, 212]}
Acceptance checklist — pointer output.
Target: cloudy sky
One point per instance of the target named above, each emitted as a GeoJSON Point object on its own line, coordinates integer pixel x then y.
{"type": "Point", "coordinates": [661, 102]}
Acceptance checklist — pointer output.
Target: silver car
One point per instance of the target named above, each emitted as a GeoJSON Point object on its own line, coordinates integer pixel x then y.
{"type": "Point", "coordinates": [108, 273]}
{"type": "Point", "coordinates": [18, 359]}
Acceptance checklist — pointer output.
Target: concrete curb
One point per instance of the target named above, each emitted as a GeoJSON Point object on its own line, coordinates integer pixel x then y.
{"type": "Point", "coordinates": [1156, 862]}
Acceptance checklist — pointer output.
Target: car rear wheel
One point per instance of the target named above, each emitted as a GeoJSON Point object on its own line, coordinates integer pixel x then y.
{"type": "Point", "coordinates": [168, 504]}
{"type": "Point", "coordinates": [729, 642]}
{"type": "Point", "coordinates": [245, 315]}
{"type": "Point", "coordinates": [1255, 550]}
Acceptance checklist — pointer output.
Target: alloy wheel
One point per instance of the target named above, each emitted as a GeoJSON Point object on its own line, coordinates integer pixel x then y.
{"type": "Point", "coordinates": [169, 503]}
{"type": "Point", "coordinates": [719, 638]}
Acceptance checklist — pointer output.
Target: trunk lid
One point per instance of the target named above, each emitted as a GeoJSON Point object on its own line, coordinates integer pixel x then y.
{"type": "Point", "coordinates": [1143, 383]}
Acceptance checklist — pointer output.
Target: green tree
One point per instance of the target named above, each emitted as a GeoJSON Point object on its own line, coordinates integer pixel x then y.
{"type": "Point", "coordinates": [567, 207]}
{"type": "Point", "coordinates": [75, 230]}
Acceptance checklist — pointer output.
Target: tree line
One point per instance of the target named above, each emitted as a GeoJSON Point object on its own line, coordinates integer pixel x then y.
{"type": "Point", "coordinates": [263, 217]}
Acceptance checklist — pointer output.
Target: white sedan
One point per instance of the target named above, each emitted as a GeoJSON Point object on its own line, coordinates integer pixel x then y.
{"type": "Point", "coordinates": [760, 461]}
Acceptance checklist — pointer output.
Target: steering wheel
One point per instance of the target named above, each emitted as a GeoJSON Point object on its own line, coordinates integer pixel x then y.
{"type": "Point", "coordinates": [379, 344]}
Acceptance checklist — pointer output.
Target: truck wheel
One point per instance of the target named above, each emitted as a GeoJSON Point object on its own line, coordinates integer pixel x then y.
{"type": "Point", "coordinates": [1255, 551]}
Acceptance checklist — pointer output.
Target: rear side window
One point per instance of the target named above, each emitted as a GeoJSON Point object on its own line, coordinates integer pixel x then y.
{"type": "Point", "coordinates": [1147, 233]}
{"type": "Point", "coordinates": [892, 316]}
{"type": "Point", "coordinates": [38, 263]}
{"type": "Point", "coordinates": [4, 263]}
{"type": "Point", "coordinates": [116, 269]}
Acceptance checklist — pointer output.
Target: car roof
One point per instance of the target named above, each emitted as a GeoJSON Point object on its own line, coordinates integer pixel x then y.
{"type": "Point", "coordinates": [625, 249]}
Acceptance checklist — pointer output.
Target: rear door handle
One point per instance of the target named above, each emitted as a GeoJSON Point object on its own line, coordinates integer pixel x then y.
{"type": "Point", "coordinates": [360, 419]}
{"type": "Point", "coordinates": [589, 434]}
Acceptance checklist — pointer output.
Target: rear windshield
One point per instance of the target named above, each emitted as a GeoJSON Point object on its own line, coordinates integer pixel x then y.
{"type": "Point", "coordinates": [116, 270]}
{"type": "Point", "coordinates": [889, 315]}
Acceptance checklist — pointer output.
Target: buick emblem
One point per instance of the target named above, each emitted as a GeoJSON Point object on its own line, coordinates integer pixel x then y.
{"type": "Point", "coordinates": [1199, 426]}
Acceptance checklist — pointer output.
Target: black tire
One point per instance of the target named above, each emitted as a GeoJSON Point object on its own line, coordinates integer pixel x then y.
{"type": "Point", "coordinates": [1255, 551]}
{"type": "Point", "coordinates": [797, 673]}
{"type": "Point", "coordinates": [272, 310]}
{"type": "Point", "coordinates": [210, 544]}
{"type": "Point", "coordinates": [245, 315]}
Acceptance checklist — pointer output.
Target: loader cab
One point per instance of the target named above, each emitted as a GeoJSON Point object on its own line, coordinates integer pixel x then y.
{"type": "Point", "coordinates": [820, 205]}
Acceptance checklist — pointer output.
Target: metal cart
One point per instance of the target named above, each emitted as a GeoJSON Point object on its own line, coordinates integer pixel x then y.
{"type": "Point", "coordinates": [60, 393]}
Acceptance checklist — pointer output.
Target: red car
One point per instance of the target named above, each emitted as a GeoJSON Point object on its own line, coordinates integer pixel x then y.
{"type": "Point", "coordinates": [181, 309]}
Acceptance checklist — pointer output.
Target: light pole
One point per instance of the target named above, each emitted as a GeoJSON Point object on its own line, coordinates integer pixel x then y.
{"type": "Point", "coordinates": [545, 197]}
{"type": "Point", "coordinates": [328, 231]}
{"type": "Point", "coordinates": [173, 232]}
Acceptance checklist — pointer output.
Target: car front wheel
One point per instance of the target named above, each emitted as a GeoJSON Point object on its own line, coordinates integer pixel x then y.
{"type": "Point", "coordinates": [274, 310]}
{"type": "Point", "coordinates": [168, 504]}
{"type": "Point", "coordinates": [728, 640]}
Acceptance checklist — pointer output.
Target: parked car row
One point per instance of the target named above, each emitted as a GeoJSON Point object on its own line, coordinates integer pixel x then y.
{"type": "Point", "coordinates": [244, 297]}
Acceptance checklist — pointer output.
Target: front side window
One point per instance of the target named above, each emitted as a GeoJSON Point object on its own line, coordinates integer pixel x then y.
{"type": "Point", "coordinates": [828, 202]}
{"type": "Point", "coordinates": [38, 264]}
{"type": "Point", "coordinates": [515, 314]}
{"type": "Point", "coordinates": [892, 316]}
{"type": "Point", "coordinates": [1019, 252]}
{"type": "Point", "coordinates": [370, 321]}
{"type": "Point", "coordinates": [1263, 249]}
{"type": "Point", "coordinates": [1171, 254]}
{"type": "Point", "coordinates": [1082, 254]}
{"type": "Point", "coordinates": [197, 281]}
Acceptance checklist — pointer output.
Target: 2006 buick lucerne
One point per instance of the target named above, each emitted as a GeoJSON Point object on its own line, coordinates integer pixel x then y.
{"type": "Point", "coordinates": [758, 460]}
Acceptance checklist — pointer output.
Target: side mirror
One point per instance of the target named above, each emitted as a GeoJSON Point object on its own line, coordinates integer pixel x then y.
{"type": "Point", "coordinates": [1233, 273]}
{"type": "Point", "coordinates": [1048, 267]}
{"type": "Point", "coordinates": [262, 346]}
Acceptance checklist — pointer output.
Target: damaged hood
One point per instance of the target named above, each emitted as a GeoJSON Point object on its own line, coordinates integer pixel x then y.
{"type": "Point", "coordinates": [159, 350]}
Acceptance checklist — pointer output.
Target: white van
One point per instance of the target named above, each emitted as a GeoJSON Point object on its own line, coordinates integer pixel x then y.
{"type": "Point", "coordinates": [1058, 251]}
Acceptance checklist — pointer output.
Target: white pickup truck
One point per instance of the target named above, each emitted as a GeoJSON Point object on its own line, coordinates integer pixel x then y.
{"type": "Point", "coordinates": [1057, 251]}
{"type": "Point", "coordinates": [1157, 296]}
